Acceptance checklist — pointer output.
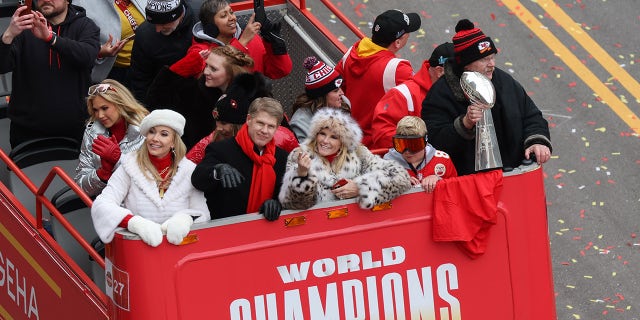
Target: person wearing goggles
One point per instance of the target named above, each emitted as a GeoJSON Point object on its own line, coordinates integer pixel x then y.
{"type": "Point", "coordinates": [425, 165]}
{"type": "Point", "coordinates": [113, 130]}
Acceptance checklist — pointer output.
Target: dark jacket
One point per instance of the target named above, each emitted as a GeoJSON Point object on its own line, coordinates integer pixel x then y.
{"type": "Point", "coordinates": [517, 120]}
{"type": "Point", "coordinates": [152, 50]}
{"type": "Point", "coordinates": [231, 202]}
{"type": "Point", "coordinates": [50, 82]}
{"type": "Point", "coordinates": [187, 96]}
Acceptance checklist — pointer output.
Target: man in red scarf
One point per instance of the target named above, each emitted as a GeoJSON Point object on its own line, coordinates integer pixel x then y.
{"type": "Point", "coordinates": [244, 174]}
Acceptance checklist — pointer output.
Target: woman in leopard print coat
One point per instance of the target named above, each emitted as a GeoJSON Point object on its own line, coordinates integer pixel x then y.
{"type": "Point", "coordinates": [333, 152]}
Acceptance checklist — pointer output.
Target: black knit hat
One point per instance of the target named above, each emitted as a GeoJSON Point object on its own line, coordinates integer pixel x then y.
{"type": "Point", "coordinates": [233, 106]}
{"type": "Point", "coordinates": [392, 24]}
{"type": "Point", "coordinates": [164, 11]}
{"type": "Point", "coordinates": [470, 44]}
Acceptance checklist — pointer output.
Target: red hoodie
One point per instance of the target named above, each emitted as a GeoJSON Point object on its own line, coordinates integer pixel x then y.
{"type": "Point", "coordinates": [368, 73]}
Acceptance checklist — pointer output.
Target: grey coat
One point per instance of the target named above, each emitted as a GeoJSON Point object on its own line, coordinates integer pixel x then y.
{"type": "Point", "coordinates": [89, 162]}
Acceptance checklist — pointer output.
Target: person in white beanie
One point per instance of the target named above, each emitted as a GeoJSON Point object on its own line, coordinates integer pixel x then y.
{"type": "Point", "coordinates": [332, 163]}
{"type": "Point", "coordinates": [154, 184]}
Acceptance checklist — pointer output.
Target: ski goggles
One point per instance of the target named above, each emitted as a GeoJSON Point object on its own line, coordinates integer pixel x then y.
{"type": "Point", "coordinates": [411, 143]}
{"type": "Point", "coordinates": [99, 88]}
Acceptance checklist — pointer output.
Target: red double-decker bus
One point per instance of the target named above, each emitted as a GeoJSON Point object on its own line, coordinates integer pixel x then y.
{"type": "Point", "coordinates": [333, 261]}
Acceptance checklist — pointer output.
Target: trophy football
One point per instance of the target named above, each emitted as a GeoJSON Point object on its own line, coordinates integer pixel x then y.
{"type": "Point", "coordinates": [479, 89]}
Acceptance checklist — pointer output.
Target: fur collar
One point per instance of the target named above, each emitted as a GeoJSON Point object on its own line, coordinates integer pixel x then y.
{"type": "Point", "coordinates": [178, 189]}
{"type": "Point", "coordinates": [452, 76]}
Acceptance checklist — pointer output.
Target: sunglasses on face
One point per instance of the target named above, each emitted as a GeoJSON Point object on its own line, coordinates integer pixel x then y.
{"type": "Point", "coordinates": [99, 88]}
{"type": "Point", "coordinates": [411, 143]}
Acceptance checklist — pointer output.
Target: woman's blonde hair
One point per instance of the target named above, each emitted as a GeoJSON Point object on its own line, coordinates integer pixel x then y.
{"type": "Point", "coordinates": [128, 107]}
{"type": "Point", "coordinates": [144, 162]}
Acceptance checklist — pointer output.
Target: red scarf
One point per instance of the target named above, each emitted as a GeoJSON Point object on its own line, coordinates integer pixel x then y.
{"type": "Point", "coordinates": [162, 164]}
{"type": "Point", "coordinates": [263, 179]}
{"type": "Point", "coordinates": [119, 129]}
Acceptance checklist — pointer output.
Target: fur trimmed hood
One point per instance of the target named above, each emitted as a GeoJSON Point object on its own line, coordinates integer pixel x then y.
{"type": "Point", "coordinates": [338, 121]}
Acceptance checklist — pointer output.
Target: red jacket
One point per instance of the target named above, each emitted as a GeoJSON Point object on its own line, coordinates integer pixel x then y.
{"type": "Point", "coordinates": [402, 100]}
{"type": "Point", "coordinates": [264, 61]}
{"type": "Point", "coordinates": [440, 165]}
{"type": "Point", "coordinates": [365, 81]}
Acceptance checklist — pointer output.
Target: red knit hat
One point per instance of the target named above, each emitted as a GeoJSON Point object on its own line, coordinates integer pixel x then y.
{"type": "Point", "coordinates": [321, 78]}
{"type": "Point", "coordinates": [470, 44]}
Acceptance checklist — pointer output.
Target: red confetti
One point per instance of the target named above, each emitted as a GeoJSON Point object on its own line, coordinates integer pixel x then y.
{"type": "Point", "coordinates": [357, 9]}
{"type": "Point", "coordinates": [572, 84]}
{"type": "Point", "coordinates": [493, 17]}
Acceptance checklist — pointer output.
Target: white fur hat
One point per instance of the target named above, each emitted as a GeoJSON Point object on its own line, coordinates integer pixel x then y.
{"type": "Point", "coordinates": [338, 121]}
{"type": "Point", "coordinates": [163, 117]}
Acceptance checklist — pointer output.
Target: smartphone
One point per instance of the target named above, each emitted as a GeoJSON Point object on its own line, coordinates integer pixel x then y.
{"type": "Point", "coordinates": [27, 3]}
{"type": "Point", "coordinates": [129, 37]}
{"type": "Point", "coordinates": [258, 8]}
{"type": "Point", "coordinates": [340, 183]}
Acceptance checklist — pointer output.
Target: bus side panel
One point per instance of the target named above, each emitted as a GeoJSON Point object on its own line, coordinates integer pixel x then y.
{"type": "Point", "coordinates": [366, 265]}
{"type": "Point", "coordinates": [35, 282]}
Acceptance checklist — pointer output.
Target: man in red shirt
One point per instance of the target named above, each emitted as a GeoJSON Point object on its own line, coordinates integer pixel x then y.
{"type": "Point", "coordinates": [370, 67]}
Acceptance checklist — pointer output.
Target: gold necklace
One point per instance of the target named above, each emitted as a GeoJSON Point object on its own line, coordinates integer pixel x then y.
{"type": "Point", "coordinates": [163, 184]}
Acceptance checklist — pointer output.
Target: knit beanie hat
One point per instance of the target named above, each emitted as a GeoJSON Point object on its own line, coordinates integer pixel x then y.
{"type": "Point", "coordinates": [441, 54]}
{"type": "Point", "coordinates": [392, 24]}
{"type": "Point", "coordinates": [338, 121]}
{"type": "Point", "coordinates": [163, 117]}
{"type": "Point", "coordinates": [470, 44]}
{"type": "Point", "coordinates": [164, 11]}
{"type": "Point", "coordinates": [321, 78]}
{"type": "Point", "coordinates": [233, 106]}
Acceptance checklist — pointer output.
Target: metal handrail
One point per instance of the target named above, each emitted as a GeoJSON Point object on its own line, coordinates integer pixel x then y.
{"type": "Point", "coordinates": [302, 6]}
{"type": "Point", "coordinates": [41, 199]}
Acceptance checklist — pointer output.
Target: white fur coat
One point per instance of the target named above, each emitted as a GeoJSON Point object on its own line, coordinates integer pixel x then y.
{"type": "Point", "coordinates": [378, 180]}
{"type": "Point", "coordinates": [130, 192]}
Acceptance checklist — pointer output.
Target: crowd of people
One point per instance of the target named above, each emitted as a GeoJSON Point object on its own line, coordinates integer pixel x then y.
{"type": "Point", "coordinates": [179, 124]}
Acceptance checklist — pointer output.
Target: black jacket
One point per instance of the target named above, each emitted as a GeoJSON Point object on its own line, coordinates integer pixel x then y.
{"type": "Point", "coordinates": [187, 96]}
{"type": "Point", "coordinates": [49, 83]}
{"type": "Point", "coordinates": [231, 202]}
{"type": "Point", "coordinates": [517, 120]}
{"type": "Point", "coordinates": [152, 50]}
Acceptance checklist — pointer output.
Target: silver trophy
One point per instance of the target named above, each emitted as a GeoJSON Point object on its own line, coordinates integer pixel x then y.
{"type": "Point", "coordinates": [479, 89]}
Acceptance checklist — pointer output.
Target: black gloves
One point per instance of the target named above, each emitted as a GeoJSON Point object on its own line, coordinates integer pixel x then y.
{"type": "Point", "coordinates": [271, 33]}
{"type": "Point", "coordinates": [229, 176]}
{"type": "Point", "coordinates": [270, 209]}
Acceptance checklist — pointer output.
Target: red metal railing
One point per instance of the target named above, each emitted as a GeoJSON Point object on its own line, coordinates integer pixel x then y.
{"type": "Point", "coordinates": [302, 6]}
{"type": "Point", "coordinates": [41, 200]}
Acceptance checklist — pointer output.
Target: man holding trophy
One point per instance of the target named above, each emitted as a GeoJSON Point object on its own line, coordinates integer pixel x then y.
{"type": "Point", "coordinates": [480, 115]}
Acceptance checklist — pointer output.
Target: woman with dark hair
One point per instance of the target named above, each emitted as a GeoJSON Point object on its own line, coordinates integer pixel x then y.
{"type": "Point", "coordinates": [151, 191]}
{"type": "Point", "coordinates": [322, 88]}
{"type": "Point", "coordinates": [112, 130]}
{"type": "Point", "coordinates": [218, 26]}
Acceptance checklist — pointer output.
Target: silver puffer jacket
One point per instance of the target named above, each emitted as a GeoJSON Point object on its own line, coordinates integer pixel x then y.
{"type": "Point", "coordinates": [89, 162]}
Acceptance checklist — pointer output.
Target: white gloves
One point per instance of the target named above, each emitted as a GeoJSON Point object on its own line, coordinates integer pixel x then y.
{"type": "Point", "coordinates": [177, 227]}
{"type": "Point", "coordinates": [149, 231]}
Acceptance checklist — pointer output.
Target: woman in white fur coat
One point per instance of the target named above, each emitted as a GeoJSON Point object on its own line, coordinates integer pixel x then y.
{"type": "Point", "coordinates": [154, 186]}
{"type": "Point", "coordinates": [333, 164]}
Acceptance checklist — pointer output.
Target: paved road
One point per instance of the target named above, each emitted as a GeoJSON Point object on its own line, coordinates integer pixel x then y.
{"type": "Point", "coordinates": [580, 62]}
